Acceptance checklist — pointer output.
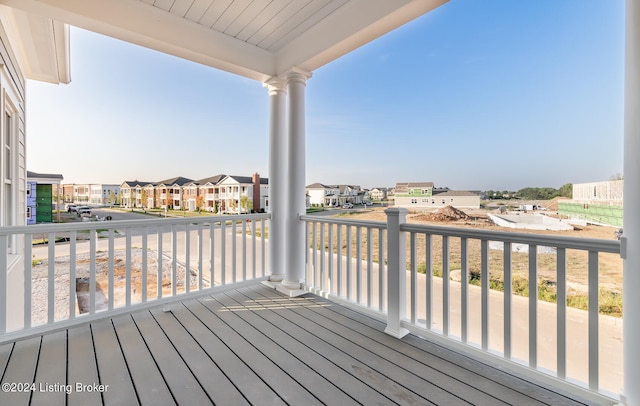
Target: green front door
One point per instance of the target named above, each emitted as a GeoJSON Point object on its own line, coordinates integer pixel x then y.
{"type": "Point", "coordinates": [44, 208]}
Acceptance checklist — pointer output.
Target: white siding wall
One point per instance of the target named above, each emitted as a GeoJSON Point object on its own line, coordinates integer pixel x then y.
{"type": "Point", "coordinates": [12, 91]}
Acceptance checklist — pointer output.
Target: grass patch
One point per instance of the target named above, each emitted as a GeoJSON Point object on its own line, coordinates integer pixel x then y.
{"type": "Point", "coordinates": [609, 302]}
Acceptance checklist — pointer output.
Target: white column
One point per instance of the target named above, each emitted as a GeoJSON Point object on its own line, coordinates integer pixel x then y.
{"type": "Point", "coordinates": [277, 177]}
{"type": "Point", "coordinates": [631, 221]}
{"type": "Point", "coordinates": [295, 239]}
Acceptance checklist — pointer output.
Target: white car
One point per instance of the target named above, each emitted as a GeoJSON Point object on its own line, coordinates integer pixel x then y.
{"type": "Point", "coordinates": [347, 206]}
{"type": "Point", "coordinates": [84, 211]}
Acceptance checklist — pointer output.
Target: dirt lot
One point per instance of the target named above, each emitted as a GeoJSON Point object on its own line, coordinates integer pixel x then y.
{"type": "Point", "coordinates": [610, 265]}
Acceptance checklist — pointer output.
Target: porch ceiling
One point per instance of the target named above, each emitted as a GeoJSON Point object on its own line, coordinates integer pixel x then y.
{"type": "Point", "coordinates": [258, 39]}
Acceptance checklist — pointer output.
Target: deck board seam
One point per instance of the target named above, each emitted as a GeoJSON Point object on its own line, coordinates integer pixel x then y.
{"type": "Point", "coordinates": [155, 362]}
{"type": "Point", "coordinates": [234, 353]}
{"type": "Point", "coordinates": [395, 350]}
{"type": "Point", "coordinates": [260, 351]}
{"type": "Point", "coordinates": [492, 377]}
{"type": "Point", "coordinates": [376, 369]}
{"type": "Point", "coordinates": [385, 359]}
{"type": "Point", "coordinates": [321, 355]}
{"type": "Point", "coordinates": [35, 370]}
{"type": "Point", "coordinates": [220, 368]}
{"type": "Point", "coordinates": [126, 363]}
{"type": "Point", "coordinates": [311, 367]}
{"type": "Point", "coordinates": [549, 394]}
{"type": "Point", "coordinates": [6, 364]}
{"type": "Point", "coordinates": [95, 360]}
{"type": "Point", "coordinates": [182, 358]}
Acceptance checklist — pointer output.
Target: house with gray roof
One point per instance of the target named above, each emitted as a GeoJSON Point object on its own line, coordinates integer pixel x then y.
{"type": "Point", "coordinates": [424, 195]}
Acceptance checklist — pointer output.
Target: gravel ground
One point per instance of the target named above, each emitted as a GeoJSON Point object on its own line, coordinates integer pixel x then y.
{"type": "Point", "coordinates": [40, 282]}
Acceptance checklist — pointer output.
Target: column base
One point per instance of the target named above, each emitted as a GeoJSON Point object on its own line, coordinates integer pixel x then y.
{"type": "Point", "coordinates": [397, 334]}
{"type": "Point", "coordinates": [287, 290]}
{"type": "Point", "coordinates": [276, 278]}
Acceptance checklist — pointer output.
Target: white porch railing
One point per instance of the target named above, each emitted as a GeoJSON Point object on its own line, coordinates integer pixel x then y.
{"type": "Point", "coordinates": [347, 261]}
{"type": "Point", "coordinates": [122, 264]}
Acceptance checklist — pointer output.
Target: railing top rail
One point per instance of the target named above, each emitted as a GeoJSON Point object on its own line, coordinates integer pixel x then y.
{"type": "Point", "coordinates": [115, 224]}
{"type": "Point", "coordinates": [333, 220]}
{"type": "Point", "coordinates": [589, 244]}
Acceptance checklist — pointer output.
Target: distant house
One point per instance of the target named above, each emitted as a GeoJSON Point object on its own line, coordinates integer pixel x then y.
{"type": "Point", "coordinates": [413, 194]}
{"type": "Point", "coordinates": [131, 193]}
{"type": "Point", "coordinates": [171, 193]}
{"type": "Point", "coordinates": [103, 194]}
{"type": "Point", "coordinates": [320, 194]}
{"type": "Point", "coordinates": [423, 195]}
{"type": "Point", "coordinates": [323, 195]}
{"type": "Point", "coordinates": [41, 198]}
{"type": "Point", "coordinates": [243, 194]}
{"type": "Point", "coordinates": [208, 191]}
{"type": "Point", "coordinates": [378, 193]}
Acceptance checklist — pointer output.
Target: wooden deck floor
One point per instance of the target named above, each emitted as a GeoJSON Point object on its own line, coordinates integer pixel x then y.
{"type": "Point", "coordinates": [250, 346]}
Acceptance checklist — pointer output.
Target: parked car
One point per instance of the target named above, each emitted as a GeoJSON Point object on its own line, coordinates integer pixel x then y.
{"type": "Point", "coordinates": [347, 206]}
{"type": "Point", "coordinates": [72, 208]}
{"type": "Point", "coordinates": [84, 211]}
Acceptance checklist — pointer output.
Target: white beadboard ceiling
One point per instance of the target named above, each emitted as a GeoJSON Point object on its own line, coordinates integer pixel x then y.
{"type": "Point", "coordinates": [258, 39]}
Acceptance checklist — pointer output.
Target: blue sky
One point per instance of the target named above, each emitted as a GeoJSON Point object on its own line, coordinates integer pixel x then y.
{"type": "Point", "coordinates": [491, 94]}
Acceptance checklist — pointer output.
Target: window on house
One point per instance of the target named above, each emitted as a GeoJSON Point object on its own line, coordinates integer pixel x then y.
{"type": "Point", "coordinates": [8, 142]}
{"type": "Point", "coordinates": [443, 201]}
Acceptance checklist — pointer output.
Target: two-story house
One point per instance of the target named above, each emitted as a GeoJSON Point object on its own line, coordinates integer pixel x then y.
{"type": "Point", "coordinates": [170, 192]}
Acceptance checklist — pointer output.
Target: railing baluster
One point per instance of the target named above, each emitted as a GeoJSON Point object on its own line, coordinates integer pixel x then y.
{"type": "Point", "coordinates": [445, 285]}
{"type": "Point", "coordinates": [330, 275]}
{"type": "Point", "coordinates": [561, 305]}
{"type": "Point", "coordinates": [358, 264]}
{"type": "Point", "coordinates": [212, 253]}
{"type": "Point", "coordinates": [307, 254]}
{"type": "Point", "coordinates": [349, 262]}
{"type": "Point", "coordinates": [200, 256]}
{"type": "Point", "coordinates": [369, 267]}
{"type": "Point", "coordinates": [594, 309]}
{"type": "Point", "coordinates": [264, 250]}
{"type": "Point", "coordinates": [187, 258]}
{"type": "Point", "coordinates": [382, 277]}
{"type": "Point", "coordinates": [51, 245]}
{"type": "Point", "coordinates": [145, 276]}
{"type": "Point", "coordinates": [234, 252]}
{"type": "Point", "coordinates": [244, 250]}
{"type": "Point", "coordinates": [159, 270]}
{"type": "Point", "coordinates": [111, 269]}
{"type": "Point", "coordinates": [223, 252]}
{"type": "Point", "coordinates": [322, 255]}
{"type": "Point", "coordinates": [314, 256]}
{"type": "Point", "coordinates": [128, 267]}
{"type": "Point", "coordinates": [339, 261]}
{"type": "Point", "coordinates": [28, 283]}
{"type": "Point", "coordinates": [414, 277]}
{"type": "Point", "coordinates": [92, 271]}
{"type": "Point", "coordinates": [254, 252]}
{"type": "Point", "coordinates": [72, 267]}
{"type": "Point", "coordinates": [508, 289]}
{"type": "Point", "coordinates": [533, 306]}
{"type": "Point", "coordinates": [174, 259]}
{"type": "Point", "coordinates": [428, 281]}
{"type": "Point", "coordinates": [464, 291]}
{"type": "Point", "coordinates": [484, 277]}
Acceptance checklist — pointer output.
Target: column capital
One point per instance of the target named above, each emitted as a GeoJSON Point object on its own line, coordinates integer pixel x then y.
{"type": "Point", "coordinates": [275, 85]}
{"type": "Point", "coordinates": [297, 75]}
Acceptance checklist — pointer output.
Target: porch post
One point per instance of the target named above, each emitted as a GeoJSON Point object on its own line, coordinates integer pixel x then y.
{"type": "Point", "coordinates": [631, 219]}
{"type": "Point", "coordinates": [295, 275]}
{"type": "Point", "coordinates": [396, 271]}
{"type": "Point", "coordinates": [277, 177]}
